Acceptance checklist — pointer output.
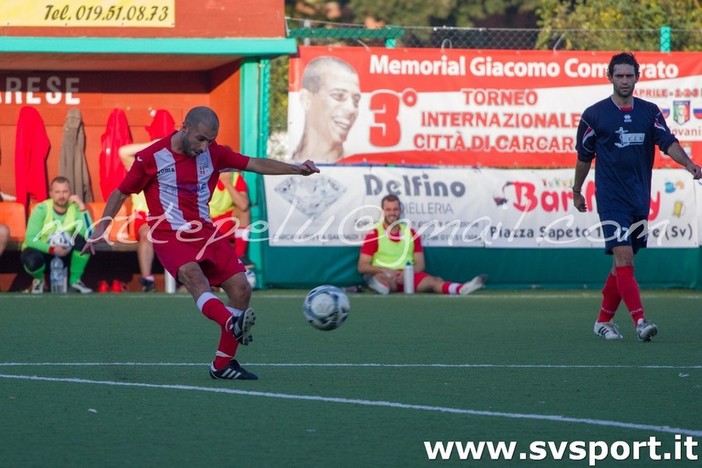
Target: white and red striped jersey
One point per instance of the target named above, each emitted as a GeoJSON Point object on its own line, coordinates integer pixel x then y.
{"type": "Point", "coordinates": [177, 187]}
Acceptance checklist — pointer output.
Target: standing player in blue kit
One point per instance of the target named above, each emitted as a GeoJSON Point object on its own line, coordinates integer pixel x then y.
{"type": "Point", "coordinates": [622, 132]}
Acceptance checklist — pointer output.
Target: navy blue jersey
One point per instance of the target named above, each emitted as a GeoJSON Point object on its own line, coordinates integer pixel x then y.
{"type": "Point", "coordinates": [623, 140]}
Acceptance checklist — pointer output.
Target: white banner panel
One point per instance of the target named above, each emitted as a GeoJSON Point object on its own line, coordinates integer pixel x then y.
{"type": "Point", "coordinates": [464, 207]}
{"type": "Point", "coordinates": [673, 220]}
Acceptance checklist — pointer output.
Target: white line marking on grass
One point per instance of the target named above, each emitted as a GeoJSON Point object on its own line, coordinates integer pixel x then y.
{"type": "Point", "coordinates": [478, 366]}
{"type": "Point", "coordinates": [379, 403]}
{"type": "Point", "coordinates": [503, 295]}
{"type": "Point", "coordinates": [472, 297]}
{"type": "Point", "coordinates": [88, 297]}
{"type": "Point", "coordinates": [362, 364]}
{"type": "Point", "coordinates": [260, 295]}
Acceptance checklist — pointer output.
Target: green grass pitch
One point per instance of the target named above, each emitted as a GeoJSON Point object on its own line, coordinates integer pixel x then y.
{"type": "Point", "coordinates": [121, 380]}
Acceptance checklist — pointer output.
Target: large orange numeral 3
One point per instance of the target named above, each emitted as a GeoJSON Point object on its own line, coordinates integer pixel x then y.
{"type": "Point", "coordinates": [385, 130]}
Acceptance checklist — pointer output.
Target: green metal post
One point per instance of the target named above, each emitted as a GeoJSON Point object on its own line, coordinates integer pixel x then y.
{"type": "Point", "coordinates": [251, 121]}
{"type": "Point", "coordinates": [665, 39]}
{"type": "Point", "coordinates": [264, 99]}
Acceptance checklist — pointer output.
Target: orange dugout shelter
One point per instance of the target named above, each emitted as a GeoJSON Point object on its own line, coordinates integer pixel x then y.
{"type": "Point", "coordinates": [137, 56]}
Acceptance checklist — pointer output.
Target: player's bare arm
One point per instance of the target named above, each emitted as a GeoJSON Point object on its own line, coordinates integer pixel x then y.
{"type": "Point", "coordinates": [678, 154]}
{"type": "Point", "coordinates": [365, 267]}
{"type": "Point", "coordinates": [275, 167]}
{"type": "Point", "coordinates": [419, 262]}
{"type": "Point", "coordinates": [582, 169]}
{"type": "Point", "coordinates": [240, 199]}
{"type": "Point", "coordinates": [127, 153]}
{"type": "Point", "coordinates": [78, 201]}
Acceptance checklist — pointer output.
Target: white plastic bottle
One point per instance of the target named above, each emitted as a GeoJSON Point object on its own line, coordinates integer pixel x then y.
{"type": "Point", "coordinates": [409, 278]}
{"type": "Point", "coordinates": [57, 276]}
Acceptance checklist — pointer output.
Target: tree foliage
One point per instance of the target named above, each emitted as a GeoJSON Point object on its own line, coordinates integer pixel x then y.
{"type": "Point", "coordinates": [458, 13]}
{"type": "Point", "coordinates": [278, 105]}
{"type": "Point", "coordinates": [409, 12]}
{"type": "Point", "coordinates": [619, 24]}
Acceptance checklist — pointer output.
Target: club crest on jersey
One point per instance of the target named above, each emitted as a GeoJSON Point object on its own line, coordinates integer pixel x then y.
{"type": "Point", "coordinates": [626, 138]}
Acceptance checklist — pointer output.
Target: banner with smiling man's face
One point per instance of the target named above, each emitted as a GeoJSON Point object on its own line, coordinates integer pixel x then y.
{"type": "Point", "coordinates": [494, 108]}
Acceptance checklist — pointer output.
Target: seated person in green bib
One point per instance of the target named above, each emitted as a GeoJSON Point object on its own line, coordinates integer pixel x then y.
{"type": "Point", "coordinates": [390, 246]}
{"type": "Point", "coordinates": [57, 227]}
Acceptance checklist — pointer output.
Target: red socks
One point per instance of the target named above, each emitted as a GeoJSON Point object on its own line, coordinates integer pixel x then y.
{"type": "Point", "coordinates": [623, 286]}
{"type": "Point", "coordinates": [610, 299]}
{"type": "Point", "coordinates": [447, 287]}
{"type": "Point", "coordinates": [226, 349]}
{"type": "Point", "coordinates": [629, 291]}
{"type": "Point", "coordinates": [214, 309]}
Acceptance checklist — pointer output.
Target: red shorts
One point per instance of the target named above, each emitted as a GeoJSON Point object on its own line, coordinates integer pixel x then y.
{"type": "Point", "coordinates": [139, 221]}
{"type": "Point", "coordinates": [418, 277]}
{"type": "Point", "coordinates": [215, 255]}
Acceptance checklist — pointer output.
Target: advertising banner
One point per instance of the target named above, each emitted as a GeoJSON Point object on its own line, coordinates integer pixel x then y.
{"type": "Point", "coordinates": [464, 207]}
{"type": "Point", "coordinates": [490, 108]}
{"type": "Point", "coordinates": [89, 13]}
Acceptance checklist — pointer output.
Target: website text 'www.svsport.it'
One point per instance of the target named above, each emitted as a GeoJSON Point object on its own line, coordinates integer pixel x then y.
{"type": "Point", "coordinates": [579, 450]}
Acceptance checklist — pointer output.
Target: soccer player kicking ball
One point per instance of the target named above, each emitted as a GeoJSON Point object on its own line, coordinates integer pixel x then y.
{"type": "Point", "coordinates": [178, 175]}
{"type": "Point", "coordinates": [622, 132]}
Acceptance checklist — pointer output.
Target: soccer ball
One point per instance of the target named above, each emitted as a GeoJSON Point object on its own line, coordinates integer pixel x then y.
{"type": "Point", "coordinates": [60, 239]}
{"type": "Point", "coordinates": [326, 307]}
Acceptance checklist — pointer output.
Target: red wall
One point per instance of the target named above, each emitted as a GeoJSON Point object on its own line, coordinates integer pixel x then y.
{"type": "Point", "coordinates": [138, 94]}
